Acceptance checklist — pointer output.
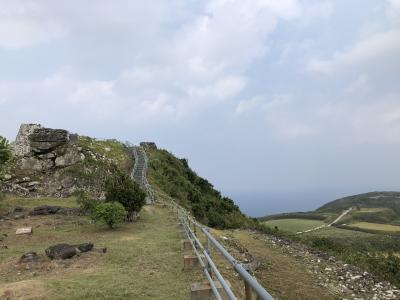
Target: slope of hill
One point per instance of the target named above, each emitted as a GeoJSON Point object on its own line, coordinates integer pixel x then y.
{"type": "Point", "coordinates": [174, 177]}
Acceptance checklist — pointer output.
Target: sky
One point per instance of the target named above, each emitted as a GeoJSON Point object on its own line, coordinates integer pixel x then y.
{"type": "Point", "coordinates": [282, 105]}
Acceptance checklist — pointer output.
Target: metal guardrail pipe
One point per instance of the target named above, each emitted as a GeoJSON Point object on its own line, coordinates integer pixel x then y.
{"type": "Point", "coordinates": [237, 266]}
{"type": "Point", "coordinates": [258, 289]}
{"type": "Point", "coordinates": [204, 267]}
{"type": "Point", "coordinates": [221, 279]}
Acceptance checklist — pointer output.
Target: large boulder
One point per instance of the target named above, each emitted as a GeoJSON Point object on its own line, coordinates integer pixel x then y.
{"type": "Point", "coordinates": [22, 143]}
{"type": "Point", "coordinates": [35, 164]}
{"type": "Point", "coordinates": [64, 251]}
{"type": "Point", "coordinates": [61, 251]}
{"type": "Point", "coordinates": [45, 210]}
{"type": "Point", "coordinates": [72, 157]}
{"type": "Point", "coordinates": [44, 140]}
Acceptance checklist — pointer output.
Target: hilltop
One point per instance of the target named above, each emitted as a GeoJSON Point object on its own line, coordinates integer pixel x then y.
{"type": "Point", "coordinates": [48, 162]}
{"type": "Point", "coordinates": [373, 207]}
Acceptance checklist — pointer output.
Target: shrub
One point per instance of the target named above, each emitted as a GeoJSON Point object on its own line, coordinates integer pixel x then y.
{"type": "Point", "coordinates": [5, 151]}
{"type": "Point", "coordinates": [87, 205]}
{"type": "Point", "coordinates": [121, 188]}
{"type": "Point", "coordinates": [110, 213]}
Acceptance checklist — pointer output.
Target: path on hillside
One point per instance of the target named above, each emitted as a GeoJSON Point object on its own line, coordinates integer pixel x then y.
{"type": "Point", "coordinates": [139, 173]}
{"type": "Point", "coordinates": [344, 213]}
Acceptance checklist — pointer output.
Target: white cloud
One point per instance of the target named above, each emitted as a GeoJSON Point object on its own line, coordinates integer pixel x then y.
{"type": "Point", "coordinates": [393, 11]}
{"type": "Point", "coordinates": [25, 23]}
{"type": "Point", "coordinates": [360, 85]}
{"type": "Point", "coordinates": [279, 114]}
{"type": "Point", "coordinates": [383, 46]}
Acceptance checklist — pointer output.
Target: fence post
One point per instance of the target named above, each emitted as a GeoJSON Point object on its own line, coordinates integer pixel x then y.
{"type": "Point", "coordinates": [209, 253]}
{"type": "Point", "coordinates": [248, 291]}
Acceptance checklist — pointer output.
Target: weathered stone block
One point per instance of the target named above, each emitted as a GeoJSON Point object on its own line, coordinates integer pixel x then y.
{"type": "Point", "coordinates": [72, 157]}
{"type": "Point", "coordinates": [43, 140]}
{"type": "Point", "coordinates": [22, 144]}
{"type": "Point", "coordinates": [24, 230]}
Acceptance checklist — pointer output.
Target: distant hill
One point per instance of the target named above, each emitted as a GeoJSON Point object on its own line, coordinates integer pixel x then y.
{"type": "Point", "coordinates": [390, 200]}
{"type": "Point", "coordinates": [375, 207]}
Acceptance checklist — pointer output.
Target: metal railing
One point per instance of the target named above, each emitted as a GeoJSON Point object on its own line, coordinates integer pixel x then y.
{"type": "Point", "coordinates": [208, 266]}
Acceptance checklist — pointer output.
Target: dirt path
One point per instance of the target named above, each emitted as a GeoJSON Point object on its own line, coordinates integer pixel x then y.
{"type": "Point", "coordinates": [328, 225]}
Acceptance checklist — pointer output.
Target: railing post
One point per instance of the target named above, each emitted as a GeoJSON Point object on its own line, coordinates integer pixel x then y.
{"type": "Point", "coordinates": [209, 245]}
{"type": "Point", "coordinates": [248, 291]}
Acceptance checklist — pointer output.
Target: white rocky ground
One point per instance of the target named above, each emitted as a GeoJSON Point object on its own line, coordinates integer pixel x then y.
{"type": "Point", "coordinates": [347, 280]}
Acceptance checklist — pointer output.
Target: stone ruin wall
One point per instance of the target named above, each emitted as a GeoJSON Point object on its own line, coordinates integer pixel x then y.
{"type": "Point", "coordinates": [22, 143]}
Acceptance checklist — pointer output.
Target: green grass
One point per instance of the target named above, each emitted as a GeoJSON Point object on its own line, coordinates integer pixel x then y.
{"type": "Point", "coordinates": [12, 201]}
{"type": "Point", "coordinates": [143, 261]}
{"type": "Point", "coordinates": [112, 149]}
{"type": "Point", "coordinates": [376, 226]}
{"type": "Point", "coordinates": [294, 225]}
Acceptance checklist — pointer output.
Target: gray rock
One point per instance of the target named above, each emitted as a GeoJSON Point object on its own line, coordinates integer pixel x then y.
{"type": "Point", "coordinates": [149, 145]}
{"type": "Point", "coordinates": [33, 163]}
{"type": "Point", "coordinates": [45, 210]}
{"type": "Point", "coordinates": [85, 247]}
{"type": "Point", "coordinates": [72, 157]}
{"type": "Point", "coordinates": [43, 140]}
{"type": "Point", "coordinates": [29, 257]}
{"type": "Point", "coordinates": [22, 144]}
{"type": "Point", "coordinates": [61, 251]}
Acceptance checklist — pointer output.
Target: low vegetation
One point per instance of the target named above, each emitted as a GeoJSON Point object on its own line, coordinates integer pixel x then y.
{"type": "Point", "coordinates": [293, 225]}
{"type": "Point", "coordinates": [5, 151]}
{"type": "Point", "coordinates": [113, 150]}
{"type": "Point", "coordinates": [121, 188]}
{"type": "Point", "coordinates": [110, 213]}
{"type": "Point", "coordinates": [174, 177]}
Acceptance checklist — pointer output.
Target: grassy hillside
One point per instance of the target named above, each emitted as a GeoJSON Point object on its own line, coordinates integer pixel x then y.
{"type": "Point", "coordinates": [175, 178]}
{"type": "Point", "coordinates": [390, 200]}
{"type": "Point", "coordinates": [98, 159]}
{"type": "Point", "coordinates": [143, 259]}
{"type": "Point", "coordinates": [374, 207]}
{"type": "Point", "coordinates": [367, 236]}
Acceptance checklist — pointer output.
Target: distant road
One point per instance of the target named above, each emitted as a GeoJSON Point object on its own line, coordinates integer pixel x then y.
{"type": "Point", "coordinates": [330, 224]}
{"type": "Point", "coordinates": [341, 216]}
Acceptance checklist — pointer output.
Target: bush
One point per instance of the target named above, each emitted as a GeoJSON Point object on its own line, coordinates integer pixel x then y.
{"type": "Point", "coordinates": [110, 213]}
{"type": "Point", "coordinates": [86, 205]}
{"type": "Point", "coordinates": [5, 151]}
{"type": "Point", "coordinates": [121, 188]}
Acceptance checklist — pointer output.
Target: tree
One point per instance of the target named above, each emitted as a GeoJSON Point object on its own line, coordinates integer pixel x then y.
{"type": "Point", "coordinates": [121, 188]}
{"type": "Point", "coordinates": [110, 213]}
{"type": "Point", "coordinates": [5, 152]}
